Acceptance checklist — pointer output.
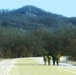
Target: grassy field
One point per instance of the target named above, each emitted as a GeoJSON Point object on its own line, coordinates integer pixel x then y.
{"type": "Point", "coordinates": [30, 66]}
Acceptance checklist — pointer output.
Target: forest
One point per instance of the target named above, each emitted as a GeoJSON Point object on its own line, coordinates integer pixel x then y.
{"type": "Point", "coordinates": [30, 32]}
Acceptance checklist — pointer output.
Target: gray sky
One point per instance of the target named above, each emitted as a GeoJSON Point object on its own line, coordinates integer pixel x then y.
{"type": "Point", "coordinates": [63, 7]}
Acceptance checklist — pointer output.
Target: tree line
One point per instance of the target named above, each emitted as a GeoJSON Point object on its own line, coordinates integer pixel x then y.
{"type": "Point", "coordinates": [20, 43]}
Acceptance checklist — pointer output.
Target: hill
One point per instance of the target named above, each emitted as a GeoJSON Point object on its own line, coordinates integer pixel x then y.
{"type": "Point", "coordinates": [31, 31]}
{"type": "Point", "coordinates": [31, 17]}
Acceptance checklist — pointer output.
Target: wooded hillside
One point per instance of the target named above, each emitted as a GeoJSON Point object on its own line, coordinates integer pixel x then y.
{"type": "Point", "coordinates": [31, 31]}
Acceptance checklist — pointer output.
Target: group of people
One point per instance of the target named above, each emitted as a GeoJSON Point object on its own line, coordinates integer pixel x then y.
{"type": "Point", "coordinates": [54, 58]}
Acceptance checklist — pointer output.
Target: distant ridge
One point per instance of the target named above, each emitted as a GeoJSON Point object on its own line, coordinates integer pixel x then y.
{"type": "Point", "coordinates": [30, 17]}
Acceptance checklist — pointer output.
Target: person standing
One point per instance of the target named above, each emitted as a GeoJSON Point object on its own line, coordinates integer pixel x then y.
{"type": "Point", "coordinates": [54, 59]}
{"type": "Point", "coordinates": [57, 60]}
{"type": "Point", "coordinates": [49, 59]}
{"type": "Point", "coordinates": [45, 60]}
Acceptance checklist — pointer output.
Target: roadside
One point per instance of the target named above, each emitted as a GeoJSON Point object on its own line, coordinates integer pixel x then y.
{"type": "Point", "coordinates": [5, 66]}
{"type": "Point", "coordinates": [71, 62]}
{"type": "Point", "coordinates": [2, 60]}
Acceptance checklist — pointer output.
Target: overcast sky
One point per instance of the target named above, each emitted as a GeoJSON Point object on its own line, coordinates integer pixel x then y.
{"type": "Point", "coordinates": [63, 7]}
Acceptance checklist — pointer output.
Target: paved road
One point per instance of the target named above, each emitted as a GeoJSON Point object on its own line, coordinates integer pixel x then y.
{"type": "Point", "coordinates": [34, 66]}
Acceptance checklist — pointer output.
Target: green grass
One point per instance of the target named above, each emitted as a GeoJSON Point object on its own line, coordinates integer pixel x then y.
{"type": "Point", "coordinates": [29, 66]}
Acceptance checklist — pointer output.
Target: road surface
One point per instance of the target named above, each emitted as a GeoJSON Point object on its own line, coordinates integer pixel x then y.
{"type": "Point", "coordinates": [34, 66]}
